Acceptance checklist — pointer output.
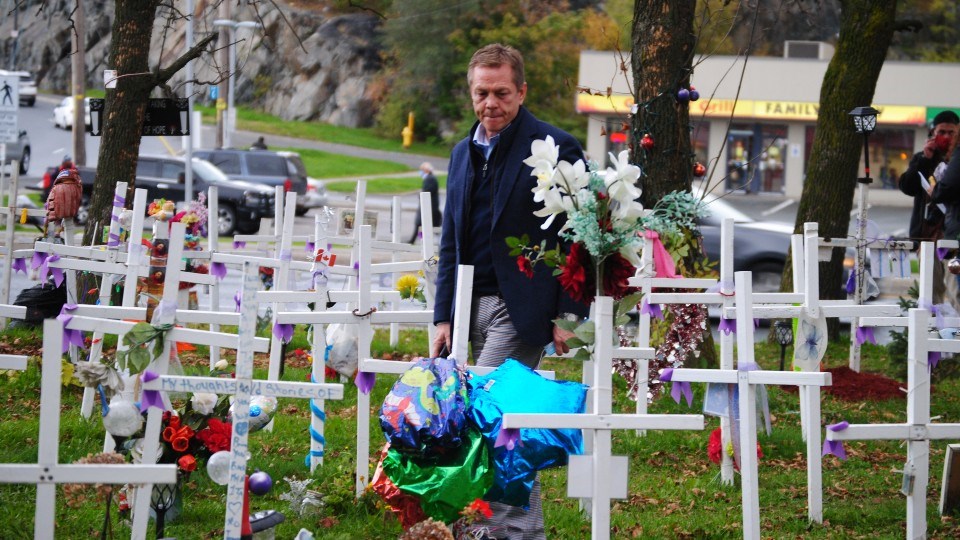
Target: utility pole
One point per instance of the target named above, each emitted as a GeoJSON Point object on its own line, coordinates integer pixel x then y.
{"type": "Point", "coordinates": [223, 41]}
{"type": "Point", "coordinates": [79, 76]}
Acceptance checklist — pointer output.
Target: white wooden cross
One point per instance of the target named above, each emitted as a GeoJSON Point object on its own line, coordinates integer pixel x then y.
{"type": "Point", "coordinates": [747, 382]}
{"type": "Point", "coordinates": [918, 430]}
{"type": "Point", "coordinates": [243, 386]}
{"type": "Point", "coordinates": [600, 475]}
{"type": "Point", "coordinates": [48, 472]}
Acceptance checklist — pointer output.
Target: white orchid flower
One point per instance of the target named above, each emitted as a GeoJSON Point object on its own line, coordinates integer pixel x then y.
{"type": "Point", "coordinates": [621, 181]}
{"type": "Point", "coordinates": [554, 203]}
{"type": "Point", "coordinates": [545, 150]}
{"type": "Point", "coordinates": [629, 211]}
{"type": "Point", "coordinates": [571, 177]}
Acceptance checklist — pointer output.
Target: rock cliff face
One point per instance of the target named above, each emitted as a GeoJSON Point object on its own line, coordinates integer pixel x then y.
{"type": "Point", "coordinates": [304, 64]}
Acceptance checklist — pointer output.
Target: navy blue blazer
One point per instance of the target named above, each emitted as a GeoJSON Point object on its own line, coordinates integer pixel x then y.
{"type": "Point", "coordinates": [532, 303]}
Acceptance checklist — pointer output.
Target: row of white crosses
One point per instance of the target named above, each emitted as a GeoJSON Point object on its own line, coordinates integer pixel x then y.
{"type": "Point", "coordinates": [48, 472]}
{"type": "Point", "coordinates": [242, 387]}
{"type": "Point", "coordinates": [918, 430]}
{"type": "Point", "coordinates": [747, 377]}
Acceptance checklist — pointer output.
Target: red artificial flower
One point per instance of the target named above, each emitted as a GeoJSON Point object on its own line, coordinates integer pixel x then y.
{"type": "Point", "coordinates": [714, 447]}
{"type": "Point", "coordinates": [187, 463]}
{"type": "Point", "coordinates": [616, 271]}
{"type": "Point", "coordinates": [573, 274]}
{"type": "Point", "coordinates": [482, 507]}
{"type": "Point", "coordinates": [178, 436]}
{"type": "Point", "coordinates": [216, 436]}
{"type": "Point", "coordinates": [525, 266]}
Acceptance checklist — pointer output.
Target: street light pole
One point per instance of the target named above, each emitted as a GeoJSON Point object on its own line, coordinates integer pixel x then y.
{"type": "Point", "coordinates": [230, 120]}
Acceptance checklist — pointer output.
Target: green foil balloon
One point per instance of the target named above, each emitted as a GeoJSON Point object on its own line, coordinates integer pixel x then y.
{"type": "Point", "coordinates": [446, 485]}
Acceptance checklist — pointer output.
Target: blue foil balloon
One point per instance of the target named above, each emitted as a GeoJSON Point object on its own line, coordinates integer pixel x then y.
{"type": "Point", "coordinates": [515, 388]}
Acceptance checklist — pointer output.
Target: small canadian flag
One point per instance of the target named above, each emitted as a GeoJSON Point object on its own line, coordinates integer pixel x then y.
{"type": "Point", "coordinates": [325, 257]}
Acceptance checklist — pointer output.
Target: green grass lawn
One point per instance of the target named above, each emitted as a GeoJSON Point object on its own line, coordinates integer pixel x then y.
{"type": "Point", "coordinates": [320, 164]}
{"type": "Point", "coordinates": [250, 120]}
{"type": "Point", "coordinates": [385, 186]}
{"type": "Point", "coordinates": [673, 488]}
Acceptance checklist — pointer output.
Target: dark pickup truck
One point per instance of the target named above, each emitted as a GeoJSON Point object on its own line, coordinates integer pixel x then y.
{"type": "Point", "coordinates": [240, 204]}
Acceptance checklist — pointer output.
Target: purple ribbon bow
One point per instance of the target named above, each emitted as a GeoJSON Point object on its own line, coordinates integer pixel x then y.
{"type": "Point", "coordinates": [218, 270]}
{"type": "Point", "coordinates": [835, 447]}
{"type": "Point", "coordinates": [678, 388]}
{"type": "Point", "coordinates": [45, 270]}
{"type": "Point", "coordinates": [653, 310]}
{"type": "Point", "coordinates": [238, 244]}
{"type": "Point", "coordinates": [933, 359]}
{"type": "Point", "coordinates": [942, 252]}
{"type": "Point", "coordinates": [236, 299]}
{"type": "Point", "coordinates": [936, 310]}
{"type": "Point", "coordinates": [150, 398]}
{"type": "Point", "coordinates": [310, 247]}
{"type": "Point", "coordinates": [365, 381]}
{"type": "Point", "coordinates": [508, 438]}
{"type": "Point", "coordinates": [37, 260]}
{"type": "Point", "coordinates": [852, 281]}
{"type": "Point", "coordinates": [70, 337]}
{"type": "Point", "coordinates": [19, 265]}
{"type": "Point", "coordinates": [727, 326]}
{"type": "Point", "coordinates": [865, 333]}
{"type": "Point", "coordinates": [283, 332]}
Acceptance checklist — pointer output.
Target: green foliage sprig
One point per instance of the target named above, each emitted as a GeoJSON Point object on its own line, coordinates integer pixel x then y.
{"type": "Point", "coordinates": [139, 350]}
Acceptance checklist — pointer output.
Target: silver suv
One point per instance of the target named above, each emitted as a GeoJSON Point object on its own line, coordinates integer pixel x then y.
{"type": "Point", "coordinates": [266, 168]}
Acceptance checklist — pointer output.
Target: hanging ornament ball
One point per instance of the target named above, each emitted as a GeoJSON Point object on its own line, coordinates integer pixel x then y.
{"type": "Point", "coordinates": [683, 95]}
{"type": "Point", "coordinates": [123, 418]}
{"type": "Point", "coordinates": [699, 170]}
{"type": "Point", "coordinates": [694, 94]}
{"type": "Point", "coordinates": [954, 266]}
{"type": "Point", "coordinates": [260, 483]}
{"type": "Point", "coordinates": [646, 142]}
{"type": "Point", "coordinates": [218, 467]}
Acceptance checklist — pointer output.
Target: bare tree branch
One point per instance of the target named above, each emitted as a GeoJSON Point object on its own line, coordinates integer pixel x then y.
{"type": "Point", "coordinates": [165, 74]}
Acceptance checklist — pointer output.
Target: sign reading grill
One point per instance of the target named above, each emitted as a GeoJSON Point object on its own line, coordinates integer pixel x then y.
{"type": "Point", "coordinates": [163, 117]}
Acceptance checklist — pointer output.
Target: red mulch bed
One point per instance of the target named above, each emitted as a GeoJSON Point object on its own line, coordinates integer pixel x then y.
{"type": "Point", "coordinates": [848, 385]}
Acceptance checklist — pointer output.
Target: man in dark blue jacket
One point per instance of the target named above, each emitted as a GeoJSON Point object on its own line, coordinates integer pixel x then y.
{"type": "Point", "coordinates": [489, 198]}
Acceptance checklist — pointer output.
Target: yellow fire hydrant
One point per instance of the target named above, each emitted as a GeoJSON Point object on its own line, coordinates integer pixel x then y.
{"type": "Point", "coordinates": [407, 132]}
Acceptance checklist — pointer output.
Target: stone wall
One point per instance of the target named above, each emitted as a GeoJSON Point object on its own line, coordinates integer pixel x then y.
{"type": "Point", "coordinates": [305, 64]}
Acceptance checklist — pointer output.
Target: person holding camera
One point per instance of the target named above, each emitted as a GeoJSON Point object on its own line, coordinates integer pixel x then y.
{"type": "Point", "coordinates": [936, 203]}
{"type": "Point", "coordinates": [918, 181]}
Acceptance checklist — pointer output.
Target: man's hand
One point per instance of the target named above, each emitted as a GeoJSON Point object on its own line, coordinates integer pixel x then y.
{"type": "Point", "coordinates": [560, 337]}
{"type": "Point", "coordinates": [930, 148]}
{"type": "Point", "coordinates": [441, 339]}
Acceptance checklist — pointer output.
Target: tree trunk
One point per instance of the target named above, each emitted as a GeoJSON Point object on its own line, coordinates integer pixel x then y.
{"type": "Point", "coordinates": [78, 84]}
{"type": "Point", "coordinates": [662, 56]}
{"type": "Point", "coordinates": [125, 107]}
{"type": "Point", "coordinates": [866, 29]}
{"type": "Point", "coordinates": [663, 41]}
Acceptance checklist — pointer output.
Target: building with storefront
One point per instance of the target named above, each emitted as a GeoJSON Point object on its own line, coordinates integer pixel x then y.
{"type": "Point", "coordinates": [758, 131]}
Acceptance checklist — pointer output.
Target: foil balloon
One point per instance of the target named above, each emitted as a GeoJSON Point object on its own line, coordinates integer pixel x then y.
{"type": "Point", "coordinates": [262, 409]}
{"type": "Point", "coordinates": [218, 467]}
{"type": "Point", "coordinates": [517, 461]}
{"type": "Point", "coordinates": [260, 483]}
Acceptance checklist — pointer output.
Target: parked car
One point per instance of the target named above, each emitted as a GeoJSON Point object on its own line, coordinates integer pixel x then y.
{"type": "Point", "coordinates": [264, 167]}
{"type": "Point", "coordinates": [27, 89]}
{"type": "Point", "coordinates": [241, 205]}
{"type": "Point", "coordinates": [63, 113]}
{"type": "Point", "coordinates": [20, 151]}
{"type": "Point", "coordinates": [760, 247]}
